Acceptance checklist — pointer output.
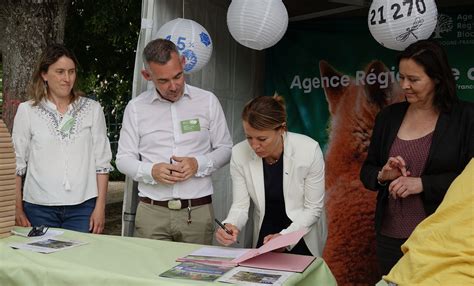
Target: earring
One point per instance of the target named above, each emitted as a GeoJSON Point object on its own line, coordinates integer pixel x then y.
{"type": "Point", "coordinates": [45, 87]}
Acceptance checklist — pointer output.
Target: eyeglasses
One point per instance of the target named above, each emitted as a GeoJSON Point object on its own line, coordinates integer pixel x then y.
{"type": "Point", "coordinates": [38, 231]}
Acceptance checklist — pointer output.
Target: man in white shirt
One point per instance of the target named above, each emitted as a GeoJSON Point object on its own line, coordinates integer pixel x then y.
{"type": "Point", "coordinates": [172, 138]}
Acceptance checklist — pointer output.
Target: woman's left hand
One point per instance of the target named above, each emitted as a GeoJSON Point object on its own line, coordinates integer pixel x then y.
{"type": "Point", "coordinates": [402, 187]}
{"type": "Point", "coordinates": [97, 220]}
{"type": "Point", "coordinates": [270, 237]}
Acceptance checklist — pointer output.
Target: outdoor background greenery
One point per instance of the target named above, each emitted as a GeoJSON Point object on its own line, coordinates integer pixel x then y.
{"type": "Point", "coordinates": [104, 35]}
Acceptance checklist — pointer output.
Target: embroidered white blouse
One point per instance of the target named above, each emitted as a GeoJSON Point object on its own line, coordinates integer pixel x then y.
{"type": "Point", "coordinates": [61, 154]}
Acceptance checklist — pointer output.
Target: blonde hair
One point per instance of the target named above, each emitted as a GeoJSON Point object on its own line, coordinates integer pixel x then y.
{"type": "Point", "coordinates": [38, 88]}
{"type": "Point", "coordinates": [265, 113]}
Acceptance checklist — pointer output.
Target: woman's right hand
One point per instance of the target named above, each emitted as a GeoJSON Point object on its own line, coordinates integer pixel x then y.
{"type": "Point", "coordinates": [227, 239]}
{"type": "Point", "coordinates": [21, 219]}
{"type": "Point", "coordinates": [394, 168]}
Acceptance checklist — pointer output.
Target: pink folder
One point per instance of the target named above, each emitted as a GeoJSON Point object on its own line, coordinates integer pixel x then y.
{"type": "Point", "coordinates": [280, 261]}
{"type": "Point", "coordinates": [262, 257]}
{"type": "Point", "coordinates": [276, 243]}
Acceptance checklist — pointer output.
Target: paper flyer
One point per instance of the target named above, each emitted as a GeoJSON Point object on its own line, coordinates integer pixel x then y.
{"type": "Point", "coordinates": [47, 245]}
{"type": "Point", "coordinates": [255, 276]}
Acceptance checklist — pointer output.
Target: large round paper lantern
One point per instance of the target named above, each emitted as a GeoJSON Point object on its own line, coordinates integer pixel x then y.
{"type": "Point", "coordinates": [192, 40]}
{"type": "Point", "coordinates": [395, 24]}
{"type": "Point", "coordinates": [257, 24]}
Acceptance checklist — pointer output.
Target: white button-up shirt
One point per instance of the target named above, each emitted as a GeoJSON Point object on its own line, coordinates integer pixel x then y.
{"type": "Point", "coordinates": [155, 129]}
{"type": "Point", "coordinates": [61, 154]}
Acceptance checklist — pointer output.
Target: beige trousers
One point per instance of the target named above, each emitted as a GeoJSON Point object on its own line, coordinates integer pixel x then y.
{"type": "Point", "coordinates": [157, 222]}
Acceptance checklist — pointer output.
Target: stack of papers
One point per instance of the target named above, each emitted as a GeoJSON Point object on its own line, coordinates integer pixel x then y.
{"type": "Point", "coordinates": [7, 182]}
{"type": "Point", "coordinates": [259, 258]}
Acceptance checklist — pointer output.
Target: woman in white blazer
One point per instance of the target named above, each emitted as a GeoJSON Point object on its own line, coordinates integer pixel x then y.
{"type": "Point", "coordinates": [283, 174]}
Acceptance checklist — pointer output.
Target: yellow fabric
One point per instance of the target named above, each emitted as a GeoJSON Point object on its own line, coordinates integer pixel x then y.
{"type": "Point", "coordinates": [440, 251]}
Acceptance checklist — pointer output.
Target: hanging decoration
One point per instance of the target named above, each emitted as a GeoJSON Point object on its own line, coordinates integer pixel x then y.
{"type": "Point", "coordinates": [257, 24]}
{"type": "Point", "coordinates": [192, 40]}
{"type": "Point", "coordinates": [395, 24]}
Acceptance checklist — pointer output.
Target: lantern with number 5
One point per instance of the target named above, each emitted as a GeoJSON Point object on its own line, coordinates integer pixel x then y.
{"type": "Point", "coordinates": [192, 40]}
{"type": "Point", "coordinates": [395, 24]}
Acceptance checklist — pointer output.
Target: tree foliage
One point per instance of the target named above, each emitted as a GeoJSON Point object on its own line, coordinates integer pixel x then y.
{"type": "Point", "coordinates": [26, 28]}
{"type": "Point", "coordinates": [104, 36]}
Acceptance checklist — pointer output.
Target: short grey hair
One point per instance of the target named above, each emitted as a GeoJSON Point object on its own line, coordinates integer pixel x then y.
{"type": "Point", "coordinates": [158, 51]}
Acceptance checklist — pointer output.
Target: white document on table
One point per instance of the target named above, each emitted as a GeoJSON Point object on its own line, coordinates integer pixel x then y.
{"type": "Point", "coordinates": [46, 245]}
{"type": "Point", "coordinates": [228, 252]}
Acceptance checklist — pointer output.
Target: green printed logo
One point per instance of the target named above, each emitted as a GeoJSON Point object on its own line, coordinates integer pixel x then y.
{"type": "Point", "coordinates": [190, 125]}
{"type": "Point", "coordinates": [66, 124]}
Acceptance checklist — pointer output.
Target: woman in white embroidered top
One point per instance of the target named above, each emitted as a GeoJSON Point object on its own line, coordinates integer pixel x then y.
{"type": "Point", "coordinates": [61, 145]}
{"type": "Point", "coordinates": [283, 174]}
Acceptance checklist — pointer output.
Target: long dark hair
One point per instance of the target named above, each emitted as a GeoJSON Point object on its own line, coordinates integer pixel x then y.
{"type": "Point", "coordinates": [433, 58]}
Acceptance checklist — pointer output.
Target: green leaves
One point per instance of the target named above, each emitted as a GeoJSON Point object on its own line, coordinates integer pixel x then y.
{"type": "Point", "coordinates": [103, 35]}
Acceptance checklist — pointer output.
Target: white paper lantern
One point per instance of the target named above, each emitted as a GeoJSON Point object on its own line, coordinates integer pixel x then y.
{"type": "Point", "coordinates": [395, 24]}
{"type": "Point", "coordinates": [257, 24]}
{"type": "Point", "coordinates": [192, 40]}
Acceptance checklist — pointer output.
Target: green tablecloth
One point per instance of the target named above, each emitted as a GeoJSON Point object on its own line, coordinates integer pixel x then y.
{"type": "Point", "coordinates": [114, 260]}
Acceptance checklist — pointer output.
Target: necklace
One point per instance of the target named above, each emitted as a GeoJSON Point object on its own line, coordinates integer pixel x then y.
{"type": "Point", "coordinates": [273, 161]}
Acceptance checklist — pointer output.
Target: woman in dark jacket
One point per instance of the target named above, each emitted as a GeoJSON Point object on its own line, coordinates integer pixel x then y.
{"type": "Point", "coordinates": [418, 148]}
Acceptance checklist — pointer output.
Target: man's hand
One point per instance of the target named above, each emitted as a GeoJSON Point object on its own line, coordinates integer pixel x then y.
{"type": "Point", "coordinates": [166, 173]}
{"type": "Point", "coordinates": [187, 166]}
{"type": "Point", "coordinates": [181, 170]}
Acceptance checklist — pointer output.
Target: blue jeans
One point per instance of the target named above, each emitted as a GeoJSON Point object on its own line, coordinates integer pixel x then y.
{"type": "Point", "coordinates": [75, 217]}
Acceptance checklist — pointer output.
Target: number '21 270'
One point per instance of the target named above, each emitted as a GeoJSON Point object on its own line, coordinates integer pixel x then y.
{"type": "Point", "coordinates": [396, 9]}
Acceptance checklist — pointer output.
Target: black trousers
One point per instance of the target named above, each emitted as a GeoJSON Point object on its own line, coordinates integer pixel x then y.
{"type": "Point", "coordinates": [300, 248]}
{"type": "Point", "coordinates": [388, 252]}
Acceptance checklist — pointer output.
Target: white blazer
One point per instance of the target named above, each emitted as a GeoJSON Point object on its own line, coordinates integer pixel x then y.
{"type": "Point", "coordinates": [303, 189]}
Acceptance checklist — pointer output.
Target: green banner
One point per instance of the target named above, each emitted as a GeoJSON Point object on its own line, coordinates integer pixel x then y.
{"type": "Point", "coordinates": [293, 65]}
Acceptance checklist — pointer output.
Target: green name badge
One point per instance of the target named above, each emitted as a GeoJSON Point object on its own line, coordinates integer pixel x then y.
{"type": "Point", "coordinates": [190, 125]}
{"type": "Point", "coordinates": [66, 124]}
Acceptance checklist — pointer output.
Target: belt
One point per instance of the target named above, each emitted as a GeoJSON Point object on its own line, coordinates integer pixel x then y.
{"type": "Point", "coordinates": [177, 203]}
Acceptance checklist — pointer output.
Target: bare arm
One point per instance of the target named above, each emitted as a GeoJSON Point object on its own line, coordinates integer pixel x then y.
{"type": "Point", "coordinates": [97, 219]}
{"type": "Point", "coordinates": [20, 216]}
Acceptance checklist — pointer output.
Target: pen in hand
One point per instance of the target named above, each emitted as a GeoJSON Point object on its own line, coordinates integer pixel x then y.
{"type": "Point", "coordinates": [171, 162]}
{"type": "Point", "coordinates": [224, 228]}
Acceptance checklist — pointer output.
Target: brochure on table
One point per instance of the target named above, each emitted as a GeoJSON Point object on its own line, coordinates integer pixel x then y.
{"type": "Point", "coordinates": [46, 245]}
{"type": "Point", "coordinates": [252, 276]}
{"type": "Point", "coordinates": [195, 271]}
{"type": "Point", "coordinates": [261, 257]}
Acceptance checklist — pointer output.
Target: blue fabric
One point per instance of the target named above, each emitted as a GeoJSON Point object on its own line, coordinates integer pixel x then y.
{"type": "Point", "coordinates": [75, 217]}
